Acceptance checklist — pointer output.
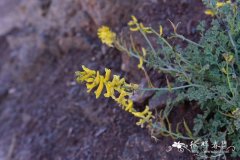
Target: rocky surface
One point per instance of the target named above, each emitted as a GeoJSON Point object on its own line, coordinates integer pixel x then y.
{"type": "Point", "coordinates": [44, 114]}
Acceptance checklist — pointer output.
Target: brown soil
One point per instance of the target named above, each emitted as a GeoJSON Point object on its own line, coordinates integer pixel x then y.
{"type": "Point", "coordinates": [44, 114]}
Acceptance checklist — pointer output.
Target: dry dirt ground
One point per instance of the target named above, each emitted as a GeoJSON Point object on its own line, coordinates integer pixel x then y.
{"type": "Point", "coordinates": [44, 114]}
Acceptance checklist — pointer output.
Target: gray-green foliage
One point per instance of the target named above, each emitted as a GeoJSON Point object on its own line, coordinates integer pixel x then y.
{"type": "Point", "coordinates": [212, 69]}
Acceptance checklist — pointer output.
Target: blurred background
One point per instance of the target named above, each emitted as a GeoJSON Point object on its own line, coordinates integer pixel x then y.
{"type": "Point", "coordinates": [44, 114]}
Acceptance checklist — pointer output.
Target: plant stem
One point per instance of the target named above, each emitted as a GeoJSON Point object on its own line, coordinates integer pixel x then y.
{"type": "Point", "coordinates": [169, 69]}
{"type": "Point", "coordinates": [227, 115]}
{"type": "Point", "coordinates": [233, 44]}
{"type": "Point", "coordinates": [148, 41]}
{"type": "Point", "coordinates": [188, 40]}
{"type": "Point", "coordinates": [234, 47]}
{"type": "Point", "coordinates": [229, 81]}
{"type": "Point", "coordinates": [169, 45]}
{"type": "Point", "coordinates": [174, 134]}
{"type": "Point", "coordinates": [163, 39]}
{"type": "Point", "coordinates": [167, 89]}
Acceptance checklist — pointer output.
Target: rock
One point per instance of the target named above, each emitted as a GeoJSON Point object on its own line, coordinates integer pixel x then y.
{"type": "Point", "coordinates": [100, 131]}
{"type": "Point", "coordinates": [141, 96]}
{"type": "Point", "coordinates": [12, 91]}
{"type": "Point", "coordinates": [160, 100]}
{"type": "Point", "coordinates": [102, 10]}
{"type": "Point", "coordinates": [44, 30]}
{"type": "Point", "coordinates": [139, 146]}
{"type": "Point", "coordinates": [126, 65]}
{"type": "Point", "coordinates": [136, 146]}
{"type": "Point", "coordinates": [9, 15]}
{"type": "Point", "coordinates": [3, 92]}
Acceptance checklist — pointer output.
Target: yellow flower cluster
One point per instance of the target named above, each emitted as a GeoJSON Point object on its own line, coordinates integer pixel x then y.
{"type": "Point", "coordinates": [116, 88]}
{"type": "Point", "coordinates": [221, 4]}
{"type": "Point", "coordinates": [228, 57]}
{"type": "Point", "coordinates": [106, 35]}
{"type": "Point", "coordinates": [136, 26]}
{"type": "Point", "coordinates": [211, 12]}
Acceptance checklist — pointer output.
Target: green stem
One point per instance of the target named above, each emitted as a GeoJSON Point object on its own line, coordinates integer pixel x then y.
{"type": "Point", "coordinates": [163, 39]}
{"type": "Point", "coordinates": [169, 45]}
{"type": "Point", "coordinates": [188, 40]}
{"type": "Point", "coordinates": [227, 101]}
{"type": "Point", "coordinates": [169, 69]}
{"type": "Point", "coordinates": [167, 89]}
{"type": "Point", "coordinates": [148, 41]}
{"type": "Point", "coordinates": [233, 44]}
{"type": "Point", "coordinates": [234, 47]}
{"type": "Point", "coordinates": [174, 134]}
{"type": "Point", "coordinates": [229, 81]}
{"type": "Point", "coordinates": [227, 115]}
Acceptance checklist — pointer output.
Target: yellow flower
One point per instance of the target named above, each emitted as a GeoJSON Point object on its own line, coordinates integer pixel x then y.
{"type": "Point", "coordinates": [141, 114]}
{"type": "Point", "coordinates": [141, 58]}
{"type": "Point", "coordinates": [228, 58]}
{"type": "Point", "coordinates": [110, 90]}
{"type": "Point", "coordinates": [94, 79]}
{"type": "Point", "coordinates": [100, 87]}
{"type": "Point", "coordinates": [140, 65]}
{"type": "Point", "coordinates": [106, 36]}
{"type": "Point", "coordinates": [134, 86]}
{"type": "Point", "coordinates": [117, 89]}
{"type": "Point", "coordinates": [122, 98]}
{"type": "Point", "coordinates": [146, 119]}
{"type": "Point", "coordinates": [117, 83]}
{"type": "Point", "coordinates": [221, 4]}
{"type": "Point", "coordinates": [134, 19]}
{"type": "Point", "coordinates": [144, 52]}
{"type": "Point", "coordinates": [209, 12]}
{"type": "Point", "coordinates": [90, 85]}
{"type": "Point", "coordinates": [136, 26]}
{"type": "Point", "coordinates": [224, 70]}
{"type": "Point", "coordinates": [129, 106]}
{"type": "Point", "coordinates": [145, 29]}
{"type": "Point", "coordinates": [160, 30]}
{"type": "Point", "coordinates": [85, 75]}
{"type": "Point", "coordinates": [107, 74]}
{"type": "Point", "coordinates": [145, 116]}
